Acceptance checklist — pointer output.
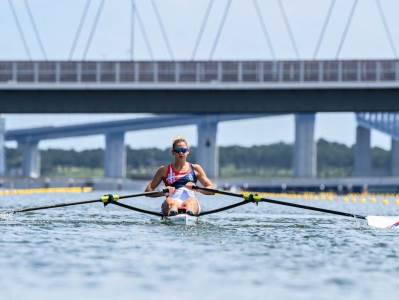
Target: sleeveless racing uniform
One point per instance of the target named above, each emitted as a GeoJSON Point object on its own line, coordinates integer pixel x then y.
{"type": "Point", "coordinates": [178, 180]}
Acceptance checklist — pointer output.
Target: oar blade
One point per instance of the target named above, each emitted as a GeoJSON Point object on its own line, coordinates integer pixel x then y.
{"type": "Point", "coordinates": [383, 222]}
{"type": "Point", "coordinates": [6, 215]}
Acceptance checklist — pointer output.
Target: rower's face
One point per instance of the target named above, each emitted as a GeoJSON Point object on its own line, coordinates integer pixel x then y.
{"type": "Point", "coordinates": [180, 150]}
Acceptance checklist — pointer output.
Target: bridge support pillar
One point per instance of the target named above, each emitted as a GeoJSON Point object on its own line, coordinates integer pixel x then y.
{"type": "Point", "coordinates": [2, 147]}
{"type": "Point", "coordinates": [30, 158]}
{"type": "Point", "coordinates": [305, 152]}
{"type": "Point", "coordinates": [394, 157]}
{"type": "Point", "coordinates": [362, 153]}
{"type": "Point", "coordinates": [115, 155]}
{"type": "Point", "coordinates": [207, 150]}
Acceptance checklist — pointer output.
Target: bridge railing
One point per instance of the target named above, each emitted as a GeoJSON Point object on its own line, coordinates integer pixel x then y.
{"type": "Point", "coordinates": [14, 72]}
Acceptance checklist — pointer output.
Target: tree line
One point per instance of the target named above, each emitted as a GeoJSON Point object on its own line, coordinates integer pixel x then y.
{"type": "Point", "coordinates": [333, 159]}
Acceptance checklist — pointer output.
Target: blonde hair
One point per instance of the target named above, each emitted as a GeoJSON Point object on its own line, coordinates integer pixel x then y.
{"type": "Point", "coordinates": [177, 140]}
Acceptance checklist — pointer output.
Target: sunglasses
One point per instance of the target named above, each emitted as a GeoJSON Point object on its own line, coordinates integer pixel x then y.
{"type": "Point", "coordinates": [180, 150]}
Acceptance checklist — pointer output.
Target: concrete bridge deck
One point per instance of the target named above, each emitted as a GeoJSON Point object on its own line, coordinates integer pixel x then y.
{"type": "Point", "coordinates": [199, 86]}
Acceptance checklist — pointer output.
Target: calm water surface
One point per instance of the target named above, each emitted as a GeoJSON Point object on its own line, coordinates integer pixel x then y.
{"type": "Point", "coordinates": [264, 252]}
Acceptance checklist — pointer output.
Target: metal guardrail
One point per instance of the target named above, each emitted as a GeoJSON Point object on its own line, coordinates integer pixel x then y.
{"type": "Point", "coordinates": [16, 72]}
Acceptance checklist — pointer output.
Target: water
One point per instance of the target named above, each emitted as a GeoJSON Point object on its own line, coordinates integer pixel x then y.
{"type": "Point", "coordinates": [264, 252]}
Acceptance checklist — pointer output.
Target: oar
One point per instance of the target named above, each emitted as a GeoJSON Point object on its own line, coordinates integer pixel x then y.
{"type": "Point", "coordinates": [382, 222]}
{"type": "Point", "coordinates": [104, 199]}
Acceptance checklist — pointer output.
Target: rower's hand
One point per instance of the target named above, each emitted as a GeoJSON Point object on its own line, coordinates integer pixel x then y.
{"type": "Point", "coordinates": [190, 185]}
{"type": "Point", "coordinates": [171, 190]}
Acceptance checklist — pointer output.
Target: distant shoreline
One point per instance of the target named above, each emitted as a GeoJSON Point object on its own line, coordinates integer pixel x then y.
{"type": "Point", "coordinates": [275, 185]}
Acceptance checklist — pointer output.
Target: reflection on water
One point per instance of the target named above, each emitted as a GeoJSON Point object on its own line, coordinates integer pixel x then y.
{"type": "Point", "coordinates": [265, 252]}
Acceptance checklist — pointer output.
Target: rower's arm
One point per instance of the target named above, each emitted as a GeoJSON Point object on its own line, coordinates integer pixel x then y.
{"type": "Point", "coordinates": [152, 185]}
{"type": "Point", "coordinates": [203, 179]}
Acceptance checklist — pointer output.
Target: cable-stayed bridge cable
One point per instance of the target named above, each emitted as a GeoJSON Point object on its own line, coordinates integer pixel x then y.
{"type": "Point", "coordinates": [219, 32]}
{"type": "Point", "coordinates": [132, 15]}
{"type": "Point", "coordinates": [35, 29]}
{"type": "Point", "coordinates": [93, 29]}
{"type": "Point", "coordinates": [347, 26]}
{"type": "Point", "coordinates": [20, 30]}
{"type": "Point", "coordinates": [79, 30]}
{"type": "Point", "coordinates": [143, 31]}
{"type": "Point", "coordinates": [164, 34]}
{"type": "Point", "coordinates": [324, 28]}
{"type": "Point", "coordinates": [386, 27]}
{"type": "Point", "coordinates": [202, 29]}
{"type": "Point", "coordinates": [264, 28]}
{"type": "Point", "coordinates": [288, 26]}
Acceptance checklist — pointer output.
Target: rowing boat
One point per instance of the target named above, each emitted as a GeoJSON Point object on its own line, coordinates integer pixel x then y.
{"type": "Point", "coordinates": [182, 219]}
{"type": "Point", "coordinates": [381, 222]}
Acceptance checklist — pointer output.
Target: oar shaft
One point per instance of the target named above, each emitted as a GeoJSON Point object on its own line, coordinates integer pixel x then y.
{"type": "Point", "coordinates": [154, 193]}
{"type": "Point", "coordinates": [208, 212]}
{"type": "Point", "coordinates": [323, 210]}
{"type": "Point", "coordinates": [328, 211]}
{"type": "Point", "coordinates": [55, 206]}
{"type": "Point", "coordinates": [144, 211]}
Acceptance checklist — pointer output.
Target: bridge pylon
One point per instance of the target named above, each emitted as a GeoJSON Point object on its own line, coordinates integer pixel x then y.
{"type": "Point", "coordinates": [115, 155]}
{"type": "Point", "coordinates": [207, 150]}
{"type": "Point", "coordinates": [305, 152]}
{"type": "Point", "coordinates": [30, 158]}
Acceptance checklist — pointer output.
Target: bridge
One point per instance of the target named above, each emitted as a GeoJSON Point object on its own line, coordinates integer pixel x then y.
{"type": "Point", "coordinates": [199, 87]}
{"type": "Point", "coordinates": [305, 154]}
{"type": "Point", "coordinates": [270, 83]}
{"type": "Point", "coordinates": [115, 151]}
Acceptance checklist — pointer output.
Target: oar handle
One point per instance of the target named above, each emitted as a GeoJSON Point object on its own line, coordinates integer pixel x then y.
{"type": "Point", "coordinates": [153, 193]}
{"type": "Point", "coordinates": [195, 187]}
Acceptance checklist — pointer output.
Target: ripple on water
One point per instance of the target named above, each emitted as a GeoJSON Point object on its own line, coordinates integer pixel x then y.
{"type": "Point", "coordinates": [253, 253]}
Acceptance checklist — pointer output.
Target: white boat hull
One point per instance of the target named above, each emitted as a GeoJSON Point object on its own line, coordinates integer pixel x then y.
{"type": "Point", "coordinates": [183, 219]}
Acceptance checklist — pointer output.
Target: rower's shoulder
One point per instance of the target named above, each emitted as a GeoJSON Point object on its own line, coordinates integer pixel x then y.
{"type": "Point", "coordinates": [197, 167]}
{"type": "Point", "coordinates": [162, 169]}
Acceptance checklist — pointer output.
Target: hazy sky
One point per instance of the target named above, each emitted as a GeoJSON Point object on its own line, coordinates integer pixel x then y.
{"type": "Point", "coordinates": [241, 38]}
{"type": "Point", "coordinates": [57, 22]}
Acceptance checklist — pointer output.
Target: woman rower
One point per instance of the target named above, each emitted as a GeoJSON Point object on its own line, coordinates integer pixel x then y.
{"type": "Point", "coordinates": [179, 178]}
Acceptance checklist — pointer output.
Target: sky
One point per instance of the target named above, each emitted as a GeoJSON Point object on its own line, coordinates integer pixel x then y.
{"type": "Point", "coordinates": [241, 38]}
